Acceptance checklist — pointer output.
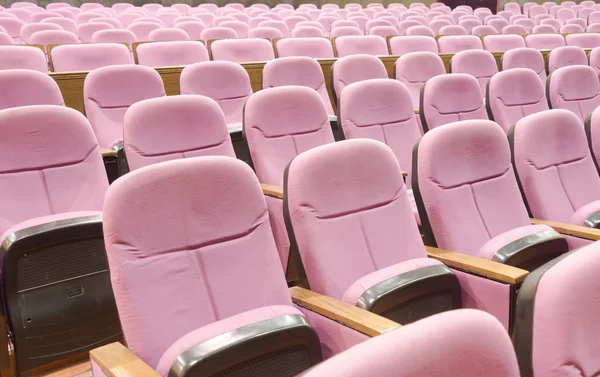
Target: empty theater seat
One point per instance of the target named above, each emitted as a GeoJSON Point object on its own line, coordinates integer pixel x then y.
{"type": "Point", "coordinates": [355, 68]}
{"type": "Point", "coordinates": [192, 28]}
{"type": "Point", "coordinates": [480, 64]}
{"type": "Point", "coordinates": [450, 98]}
{"type": "Point", "coordinates": [87, 30]}
{"type": "Point", "coordinates": [115, 36]}
{"type": "Point", "coordinates": [585, 40]}
{"type": "Point", "coordinates": [53, 37]}
{"type": "Point", "coordinates": [566, 56]}
{"type": "Point", "coordinates": [456, 43]}
{"type": "Point", "coordinates": [225, 82]}
{"type": "Point", "coordinates": [109, 91]}
{"type": "Point", "coordinates": [545, 41]}
{"type": "Point", "coordinates": [574, 88]}
{"type": "Point", "coordinates": [405, 44]}
{"type": "Point", "coordinates": [242, 50]}
{"type": "Point", "coordinates": [499, 43]}
{"type": "Point", "coordinates": [525, 57]}
{"type": "Point", "coordinates": [29, 29]}
{"type": "Point", "coordinates": [87, 57]}
{"type": "Point", "coordinates": [173, 127]}
{"type": "Point", "coordinates": [23, 87]}
{"type": "Point", "coordinates": [174, 53]}
{"type": "Point", "coordinates": [364, 44]}
{"type": "Point", "coordinates": [319, 48]}
{"type": "Point", "coordinates": [23, 57]}
{"type": "Point", "coordinates": [142, 29]}
{"type": "Point", "coordinates": [414, 69]}
{"type": "Point", "coordinates": [168, 34]}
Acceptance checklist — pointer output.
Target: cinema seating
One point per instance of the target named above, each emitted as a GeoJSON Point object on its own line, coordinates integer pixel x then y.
{"type": "Point", "coordinates": [23, 87]}
{"type": "Point", "coordinates": [350, 69]}
{"type": "Point", "coordinates": [575, 88]}
{"type": "Point", "coordinates": [480, 64]}
{"type": "Point", "coordinates": [164, 54]}
{"type": "Point", "coordinates": [525, 58]}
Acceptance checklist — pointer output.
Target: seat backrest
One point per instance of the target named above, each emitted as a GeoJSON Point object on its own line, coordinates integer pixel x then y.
{"type": "Point", "coordinates": [142, 29]}
{"type": "Point", "coordinates": [585, 40]}
{"type": "Point", "coordinates": [545, 41]}
{"type": "Point", "coordinates": [87, 57]}
{"type": "Point", "coordinates": [280, 123]}
{"type": "Point", "coordinates": [384, 31]}
{"type": "Point", "coordinates": [307, 32]}
{"type": "Point", "coordinates": [483, 30]}
{"type": "Point", "coordinates": [109, 91]}
{"type": "Point", "coordinates": [174, 53]}
{"type": "Point", "coordinates": [380, 109]}
{"type": "Point", "coordinates": [24, 87]}
{"type": "Point", "coordinates": [50, 37]}
{"type": "Point", "coordinates": [29, 29]}
{"type": "Point", "coordinates": [574, 88]}
{"type": "Point", "coordinates": [13, 27]}
{"type": "Point", "coordinates": [218, 33]}
{"type": "Point", "coordinates": [168, 34]}
{"type": "Point", "coordinates": [405, 44]}
{"type": "Point", "coordinates": [355, 185]}
{"type": "Point", "coordinates": [465, 187]}
{"type": "Point", "coordinates": [115, 36]}
{"type": "Point", "coordinates": [342, 31]}
{"type": "Point", "coordinates": [503, 42]}
{"type": "Point", "coordinates": [514, 29]}
{"type": "Point", "coordinates": [480, 64]}
{"type": "Point", "coordinates": [319, 48]}
{"type": "Point", "coordinates": [22, 57]}
{"type": "Point", "coordinates": [453, 30]}
{"type": "Point", "coordinates": [50, 164]}
{"type": "Point", "coordinates": [554, 164]}
{"type": "Point", "coordinates": [414, 69]}
{"type": "Point", "coordinates": [525, 57]}
{"type": "Point", "coordinates": [437, 24]}
{"type": "Point", "coordinates": [594, 59]}
{"type": "Point", "coordinates": [241, 28]}
{"type": "Point", "coordinates": [513, 94]}
{"type": "Point", "coordinates": [363, 44]}
{"type": "Point", "coordinates": [225, 82]}
{"type": "Point", "coordinates": [300, 71]}
{"type": "Point", "coordinates": [87, 30]}
{"type": "Point", "coordinates": [227, 249]}
{"type": "Point", "coordinates": [457, 43]}
{"type": "Point", "coordinates": [450, 98]}
{"type": "Point", "coordinates": [566, 56]}
{"type": "Point", "coordinates": [571, 29]}
{"type": "Point", "coordinates": [350, 69]}
{"type": "Point", "coordinates": [265, 32]}
{"type": "Point", "coordinates": [242, 50]}
{"type": "Point", "coordinates": [192, 28]}
{"type": "Point", "coordinates": [420, 30]}
{"type": "Point", "coordinates": [173, 127]}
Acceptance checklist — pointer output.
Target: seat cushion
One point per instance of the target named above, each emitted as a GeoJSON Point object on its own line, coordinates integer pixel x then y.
{"type": "Point", "coordinates": [217, 328]}
{"type": "Point", "coordinates": [357, 288]}
{"type": "Point", "coordinates": [579, 217]}
{"type": "Point", "coordinates": [489, 249]}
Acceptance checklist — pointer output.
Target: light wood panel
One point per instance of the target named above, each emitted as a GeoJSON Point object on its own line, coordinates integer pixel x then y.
{"type": "Point", "coordinates": [570, 229]}
{"type": "Point", "coordinates": [117, 361]}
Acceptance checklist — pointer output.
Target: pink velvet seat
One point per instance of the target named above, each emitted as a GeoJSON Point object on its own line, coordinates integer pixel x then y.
{"type": "Point", "coordinates": [420, 30]}
{"type": "Point", "coordinates": [513, 94]}
{"type": "Point", "coordinates": [414, 69]}
{"type": "Point", "coordinates": [457, 43]}
{"type": "Point", "coordinates": [594, 58]}
{"type": "Point", "coordinates": [545, 41]}
{"type": "Point", "coordinates": [500, 43]}
{"type": "Point", "coordinates": [174, 53]}
{"type": "Point", "coordinates": [23, 57]}
{"type": "Point", "coordinates": [192, 28]}
{"type": "Point", "coordinates": [242, 50]}
{"type": "Point", "coordinates": [218, 33]}
{"type": "Point", "coordinates": [319, 48]}
{"type": "Point", "coordinates": [115, 36]}
{"type": "Point", "coordinates": [453, 30]}
{"type": "Point", "coordinates": [469, 24]}
{"type": "Point", "coordinates": [384, 31]}
{"type": "Point", "coordinates": [29, 29]}
{"type": "Point", "coordinates": [299, 71]}
{"type": "Point", "coordinates": [342, 31]}
{"type": "Point", "coordinates": [497, 24]}
{"type": "Point", "coordinates": [168, 34]}
{"type": "Point", "coordinates": [592, 130]}
{"type": "Point", "coordinates": [24, 87]}
{"type": "Point", "coordinates": [13, 27]}
{"type": "Point", "coordinates": [527, 23]}
{"type": "Point", "coordinates": [364, 44]}
{"type": "Point", "coordinates": [225, 82]}
{"type": "Point", "coordinates": [574, 88]}
{"type": "Point", "coordinates": [525, 58]}
{"type": "Point", "coordinates": [566, 56]}
{"type": "Point", "coordinates": [480, 64]}
{"type": "Point", "coordinates": [437, 24]}
{"type": "Point", "coordinates": [87, 57]}
{"type": "Point", "coordinates": [483, 30]}
{"type": "Point", "coordinates": [53, 37]}
{"type": "Point", "coordinates": [142, 29]}
{"type": "Point", "coordinates": [571, 29]}
{"type": "Point", "coordinates": [87, 30]}
{"type": "Point", "coordinates": [350, 69]}
{"type": "Point", "coordinates": [450, 98]}
{"type": "Point", "coordinates": [109, 91]}
{"type": "Point", "coordinates": [585, 40]}
{"type": "Point", "coordinates": [514, 29]}
{"type": "Point", "coordinates": [405, 44]}
{"type": "Point", "coordinates": [307, 31]}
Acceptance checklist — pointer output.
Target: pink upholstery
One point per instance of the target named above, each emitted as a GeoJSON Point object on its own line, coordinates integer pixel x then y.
{"type": "Point", "coordinates": [497, 24]}
{"type": "Point", "coordinates": [168, 128]}
{"type": "Point", "coordinates": [307, 32]}
{"type": "Point", "coordinates": [594, 59]}
{"type": "Point", "coordinates": [577, 21]}
{"type": "Point", "coordinates": [565, 14]}
{"type": "Point", "coordinates": [414, 69]}
{"type": "Point", "coordinates": [115, 36]}
{"type": "Point", "coordinates": [450, 98]}
{"type": "Point", "coordinates": [514, 94]}
{"type": "Point", "coordinates": [319, 48]}
{"type": "Point", "coordinates": [592, 128]}
{"type": "Point", "coordinates": [406, 44]}
{"type": "Point", "coordinates": [236, 260]}
{"type": "Point", "coordinates": [241, 28]}
{"type": "Point", "coordinates": [514, 29]}
{"type": "Point", "coordinates": [87, 57]}
{"type": "Point", "coordinates": [109, 91]}
{"type": "Point", "coordinates": [484, 30]}
{"type": "Point", "coordinates": [453, 30]}
{"type": "Point", "coordinates": [29, 29]}
{"type": "Point", "coordinates": [525, 58]}
{"type": "Point", "coordinates": [364, 44]}
{"type": "Point", "coordinates": [405, 25]}
{"type": "Point", "coordinates": [420, 30]}
{"type": "Point", "coordinates": [242, 50]}
{"type": "Point", "coordinates": [503, 42]}
{"type": "Point", "coordinates": [350, 69]}
{"type": "Point", "coordinates": [300, 71]}
{"type": "Point", "coordinates": [582, 214]}
{"type": "Point", "coordinates": [545, 41]}
{"type": "Point", "coordinates": [22, 57]}
{"type": "Point", "coordinates": [316, 24]}
{"type": "Point", "coordinates": [23, 87]}
{"type": "Point", "coordinates": [384, 31]}
{"type": "Point", "coordinates": [558, 176]}
{"type": "Point", "coordinates": [225, 82]}
{"type": "Point", "coordinates": [437, 24]}
{"type": "Point", "coordinates": [168, 34]}
{"type": "Point", "coordinates": [12, 27]}
{"type": "Point", "coordinates": [165, 54]}
{"type": "Point", "coordinates": [574, 88]}
{"type": "Point", "coordinates": [456, 43]}
{"type": "Point", "coordinates": [50, 164]}
{"type": "Point", "coordinates": [291, 21]}
{"type": "Point", "coordinates": [109, 20]}
{"type": "Point", "coordinates": [527, 23]}
{"type": "Point", "coordinates": [142, 29]}
{"type": "Point", "coordinates": [480, 64]}
{"type": "Point", "coordinates": [469, 24]}
{"type": "Point", "coordinates": [556, 24]}
{"type": "Point", "coordinates": [265, 32]}
{"type": "Point", "coordinates": [192, 28]}
{"type": "Point", "coordinates": [543, 29]}
{"type": "Point", "coordinates": [87, 30]}
{"type": "Point", "coordinates": [341, 31]}
{"type": "Point", "coordinates": [586, 40]}
{"type": "Point", "coordinates": [218, 33]}
{"type": "Point", "coordinates": [374, 23]}
{"type": "Point", "coordinates": [593, 28]}
{"type": "Point", "coordinates": [571, 29]}
{"type": "Point", "coordinates": [39, 16]}
{"type": "Point", "coordinates": [49, 37]}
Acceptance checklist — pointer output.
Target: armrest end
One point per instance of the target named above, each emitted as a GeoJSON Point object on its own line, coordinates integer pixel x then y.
{"type": "Point", "coordinates": [108, 152]}
{"type": "Point", "coordinates": [351, 316]}
{"type": "Point", "coordinates": [272, 191]}
{"type": "Point", "coordinates": [117, 361]}
{"type": "Point", "coordinates": [570, 229]}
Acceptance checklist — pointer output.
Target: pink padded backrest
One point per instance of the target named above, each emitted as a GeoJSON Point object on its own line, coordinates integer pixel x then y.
{"type": "Point", "coordinates": [437, 24]}
{"type": "Point", "coordinates": [23, 57]}
{"type": "Point", "coordinates": [574, 88]}
{"type": "Point", "coordinates": [225, 82]}
{"type": "Point", "coordinates": [354, 188]}
{"type": "Point", "coordinates": [453, 30]}
{"type": "Point", "coordinates": [483, 30]}
{"type": "Point", "coordinates": [115, 36]}
{"type": "Point", "coordinates": [218, 33]}
{"type": "Point", "coordinates": [192, 28]}
{"type": "Point", "coordinates": [480, 64]}
{"type": "Point", "coordinates": [526, 23]}
{"type": "Point", "coordinates": [554, 164]}
{"type": "Point", "coordinates": [384, 31]}
{"type": "Point", "coordinates": [594, 58]}
{"type": "Point", "coordinates": [206, 254]}
{"type": "Point", "coordinates": [29, 29]}
{"type": "Point", "coordinates": [242, 50]}
{"type": "Point", "coordinates": [469, 24]}
{"type": "Point", "coordinates": [497, 24]}
{"type": "Point", "coordinates": [571, 29]}
{"type": "Point", "coordinates": [168, 34]}
{"type": "Point", "coordinates": [514, 29]}
{"type": "Point", "coordinates": [109, 91]}
{"type": "Point", "coordinates": [49, 37]}
{"type": "Point", "coordinates": [364, 44]}
{"type": "Point", "coordinates": [450, 98]}
{"type": "Point", "coordinates": [265, 32]}
{"type": "Point", "coordinates": [307, 32]}
{"type": "Point", "coordinates": [380, 109]}
{"type": "Point", "coordinates": [300, 71]}
{"type": "Point", "coordinates": [456, 43]}
{"type": "Point", "coordinates": [373, 23]}
{"type": "Point", "coordinates": [341, 31]}
{"type": "Point", "coordinates": [414, 69]}
{"type": "Point", "coordinates": [545, 41]}
{"type": "Point", "coordinates": [109, 20]}
{"type": "Point", "coordinates": [319, 48]}
{"type": "Point", "coordinates": [420, 30]}
{"type": "Point", "coordinates": [350, 69]}
{"type": "Point", "coordinates": [142, 29]}
{"type": "Point", "coordinates": [566, 56]}
{"type": "Point", "coordinates": [175, 53]}
{"type": "Point", "coordinates": [405, 44]}
{"type": "Point", "coordinates": [87, 30]}
{"type": "Point", "coordinates": [241, 28]}
{"type": "Point", "coordinates": [23, 87]}
{"type": "Point", "coordinates": [499, 43]}
{"type": "Point", "coordinates": [173, 127]}
{"type": "Point", "coordinates": [87, 57]}
{"type": "Point", "coordinates": [279, 124]}
{"type": "Point", "coordinates": [525, 58]}
{"type": "Point", "coordinates": [585, 40]}
{"type": "Point", "coordinates": [514, 94]}
{"type": "Point", "coordinates": [467, 185]}
{"type": "Point", "coordinates": [50, 163]}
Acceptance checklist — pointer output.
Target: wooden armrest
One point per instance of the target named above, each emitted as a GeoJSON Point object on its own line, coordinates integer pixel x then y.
{"type": "Point", "coordinates": [404, 174]}
{"type": "Point", "coordinates": [570, 229]}
{"type": "Point", "coordinates": [108, 152]}
{"type": "Point", "coordinates": [494, 270]}
{"type": "Point", "coordinates": [416, 111]}
{"type": "Point", "coordinates": [117, 361]}
{"type": "Point", "coordinates": [351, 316]}
{"type": "Point", "coordinates": [272, 191]}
